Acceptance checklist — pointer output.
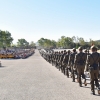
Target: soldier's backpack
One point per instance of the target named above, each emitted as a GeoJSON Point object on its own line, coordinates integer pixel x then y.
{"type": "Point", "coordinates": [73, 56]}
{"type": "Point", "coordinates": [94, 66]}
{"type": "Point", "coordinates": [81, 61]}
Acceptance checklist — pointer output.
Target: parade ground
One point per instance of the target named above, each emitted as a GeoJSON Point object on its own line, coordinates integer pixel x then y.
{"type": "Point", "coordinates": [35, 79]}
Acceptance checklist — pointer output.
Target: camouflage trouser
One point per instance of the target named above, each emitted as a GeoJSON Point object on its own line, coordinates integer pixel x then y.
{"type": "Point", "coordinates": [73, 72]}
{"type": "Point", "coordinates": [59, 64]}
{"type": "Point", "coordinates": [56, 63]}
{"type": "Point", "coordinates": [63, 68]}
{"type": "Point", "coordinates": [66, 69]}
{"type": "Point", "coordinates": [80, 70]}
{"type": "Point", "coordinates": [94, 77]}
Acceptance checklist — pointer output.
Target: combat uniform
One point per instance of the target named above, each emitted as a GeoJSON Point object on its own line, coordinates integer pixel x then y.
{"type": "Point", "coordinates": [71, 63]}
{"type": "Point", "coordinates": [93, 62]}
{"type": "Point", "coordinates": [80, 61]}
{"type": "Point", "coordinates": [65, 61]}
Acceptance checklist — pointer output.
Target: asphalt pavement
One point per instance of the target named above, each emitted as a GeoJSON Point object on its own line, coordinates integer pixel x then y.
{"type": "Point", "coordinates": [36, 79]}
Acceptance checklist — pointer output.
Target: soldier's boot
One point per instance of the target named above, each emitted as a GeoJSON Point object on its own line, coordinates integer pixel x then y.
{"type": "Point", "coordinates": [73, 80]}
{"type": "Point", "coordinates": [92, 87]}
{"type": "Point", "coordinates": [97, 85]}
{"type": "Point", "coordinates": [93, 92]}
{"type": "Point", "coordinates": [67, 73]}
{"type": "Point", "coordinates": [73, 76]}
{"type": "Point", "coordinates": [80, 84]}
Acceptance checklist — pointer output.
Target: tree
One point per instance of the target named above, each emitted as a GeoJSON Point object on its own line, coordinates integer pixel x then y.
{"type": "Point", "coordinates": [65, 42]}
{"type": "Point", "coordinates": [81, 41]}
{"type": "Point", "coordinates": [47, 43]}
{"type": "Point", "coordinates": [5, 39]}
{"type": "Point", "coordinates": [41, 42]}
{"type": "Point", "coordinates": [22, 43]}
{"type": "Point", "coordinates": [32, 44]}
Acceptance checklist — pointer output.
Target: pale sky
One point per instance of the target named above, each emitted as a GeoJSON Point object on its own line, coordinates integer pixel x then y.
{"type": "Point", "coordinates": [33, 19]}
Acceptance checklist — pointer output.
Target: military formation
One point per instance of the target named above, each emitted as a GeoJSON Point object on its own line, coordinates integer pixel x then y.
{"type": "Point", "coordinates": [75, 64]}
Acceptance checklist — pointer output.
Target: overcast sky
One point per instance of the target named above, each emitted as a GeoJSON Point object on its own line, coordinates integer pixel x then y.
{"type": "Point", "coordinates": [33, 19]}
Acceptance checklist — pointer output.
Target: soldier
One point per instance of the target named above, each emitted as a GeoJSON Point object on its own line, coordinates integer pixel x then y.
{"type": "Point", "coordinates": [52, 58]}
{"type": "Point", "coordinates": [71, 63]}
{"type": "Point", "coordinates": [58, 61]}
{"type": "Point", "coordinates": [65, 61]}
{"type": "Point", "coordinates": [61, 60]}
{"type": "Point", "coordinates": [80, 60]}
{"type": "Point", "coordinates": [93, 62]}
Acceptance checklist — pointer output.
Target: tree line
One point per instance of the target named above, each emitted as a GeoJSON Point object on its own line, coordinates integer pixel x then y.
{"type": "Point", "coordinates": [67, 42]}
{"type": "Point", "coordinates": [6, 40]}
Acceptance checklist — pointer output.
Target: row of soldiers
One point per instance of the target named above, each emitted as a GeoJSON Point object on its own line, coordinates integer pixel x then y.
{"type": "Point", "coordinates": [77, 63]}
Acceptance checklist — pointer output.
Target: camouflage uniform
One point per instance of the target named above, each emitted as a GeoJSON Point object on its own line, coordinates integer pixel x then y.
{"type": "Point", "coordinates": [71, 63]}
{"type": "Point", "coordinates": [93, 62]}
{"type": "Point", "coordinates": [65, 61]}
{"type": "Point", "coordinates": [61, 60]}
{"type": "Point", "coordinates": [80, 61]}
{"type": "Point", "coordinates": [58, 61]}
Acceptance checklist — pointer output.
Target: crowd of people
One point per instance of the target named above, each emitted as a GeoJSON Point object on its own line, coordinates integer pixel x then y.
{"type": "Point", "coordinates": [16, 53]}
{"type": "Point", "coordinates": [75, 63]}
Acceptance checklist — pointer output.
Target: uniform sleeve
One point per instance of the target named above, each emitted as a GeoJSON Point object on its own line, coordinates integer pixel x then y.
{"type": "Point", "coordinates": [75, 61]}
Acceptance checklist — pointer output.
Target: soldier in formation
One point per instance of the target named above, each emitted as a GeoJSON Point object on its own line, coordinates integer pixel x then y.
{"type": "Point", "coordinates": [75, 63]}
{"type": "Point", "coordinates": [71, 64]}
{"type": "Point", "coordinates": [93, 62]}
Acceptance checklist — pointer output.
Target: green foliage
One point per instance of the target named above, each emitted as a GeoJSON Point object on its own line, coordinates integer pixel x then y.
{"type": "Point", "coordinates": [5, 39]}
{"type": "Point", "coordinates": [47, 43]}
{"type": "Point", "coordinates": [22, 43]}
{"type": "Point", "coordinates": [32, 44]}
{"type": "Point", "coordinates": [65, 42]}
